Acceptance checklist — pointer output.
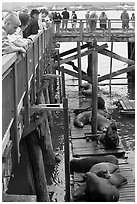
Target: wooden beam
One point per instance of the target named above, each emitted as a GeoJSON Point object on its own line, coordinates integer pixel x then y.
{"type": "Point", "coordinates": [72, 50]}
{"type": "Point", "coordinates": [75, 74]}
{"type": "Point", "coordinates": [45, 107]}
{"type": "Point", "coordinates": [87, 52]}
{"type": "Point", "coordinates": [116, 56]}
{"type": "Point", "coordinates": [113, 74]}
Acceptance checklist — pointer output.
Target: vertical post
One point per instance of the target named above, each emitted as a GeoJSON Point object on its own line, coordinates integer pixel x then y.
{"type": "Point", "coordinates": [94, 90]}
{"type": "Point", "coordinates": [33, 80]}
{"type": "Point", "coordinates": [63, 82]}
{"type": "Point", "coordinates": [66, 146]}
{"type": "Point", "coordinates": [110, 67]}
{"type": "Point", "coordinates": [109, 28]}
{"type": "Point", "coordinates": [79, 71]}
{"type": "Point", "coordinates": [89, 68]}
{"type": "Point", "coordinates": [58, 60]}
{"type": "Point", "coordinates": [15, 137]}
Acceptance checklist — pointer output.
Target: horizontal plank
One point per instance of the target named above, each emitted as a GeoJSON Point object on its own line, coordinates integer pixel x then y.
{"type": "Point", "coordinates": [19, 198]}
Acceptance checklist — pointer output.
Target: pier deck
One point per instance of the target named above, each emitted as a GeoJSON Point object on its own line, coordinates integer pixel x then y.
{"type": "Point", "coordinates": [81, 147]}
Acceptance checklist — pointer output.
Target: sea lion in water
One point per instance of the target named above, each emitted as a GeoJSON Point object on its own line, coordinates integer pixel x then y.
{"type": "Point", "coordinates": [115, 178]}
{"type": "Point", "coordinates": [105, 166]}
{"type": "Point", "coordinates": [84, 118]}
{"type": "Point", "coordinates": [83, 165]}
{"type": "Point", "coordinates": [99, 189]}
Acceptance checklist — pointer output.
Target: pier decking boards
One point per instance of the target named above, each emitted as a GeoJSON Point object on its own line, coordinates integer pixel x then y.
{"type": "Point", "coordinates": [81, 147]}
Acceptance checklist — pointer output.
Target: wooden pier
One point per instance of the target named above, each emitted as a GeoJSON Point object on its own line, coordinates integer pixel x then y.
{"type": "Point", "coordinates": [28, 99]}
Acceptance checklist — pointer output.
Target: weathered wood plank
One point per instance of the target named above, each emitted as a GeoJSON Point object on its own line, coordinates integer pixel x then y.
{"type": "Point", "coordinates": [116, 56]}
{"type": "Point", "coordinates": [116, 73]}
{"type": "Point", "coordinates": [19, 198]}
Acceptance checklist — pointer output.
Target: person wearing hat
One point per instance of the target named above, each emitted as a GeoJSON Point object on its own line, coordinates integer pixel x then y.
{"type": "Point", "coordinates": [33, 26]}
{"type": "Point", "coordinates": [125, 19]}
{"type": "Point", "coordinates": [103, 20]}
{"type": "Point", "coordinates": [65, 17]}
{"type": "Point", "coordinates": [87, 15]}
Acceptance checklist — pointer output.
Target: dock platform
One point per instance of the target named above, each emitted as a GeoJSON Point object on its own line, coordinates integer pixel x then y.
{"type": "Point", "coordinates": [81, 147]}
{"type": "Point", "coordinates": [127, 106]}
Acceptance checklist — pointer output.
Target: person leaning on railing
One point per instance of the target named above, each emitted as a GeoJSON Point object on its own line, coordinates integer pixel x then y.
{"type": "Point", "coordinates": [17, 37]}
{"type": "Point", "coordinates": [10, 23]}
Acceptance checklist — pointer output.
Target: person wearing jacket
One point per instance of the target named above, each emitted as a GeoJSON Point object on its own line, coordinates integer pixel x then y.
{"type": "Point", "coordinates": [57, 21]}
{"type": "Point", "coordinates": [65, 17]}
{"type": "Point", "coordinates": [125, 19]}
{"type": "Point", "coordinates": [103, 21]}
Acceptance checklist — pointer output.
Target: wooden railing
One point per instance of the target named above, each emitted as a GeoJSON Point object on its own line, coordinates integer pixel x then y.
{"type": "Point", "coordinates": [81, 26]}
{"type": "Point", "coordinates": [19, 74]}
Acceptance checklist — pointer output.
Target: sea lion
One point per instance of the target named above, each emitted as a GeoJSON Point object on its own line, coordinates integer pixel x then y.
{"type": "Point", "coordinates": [99, 189]}
{"type": "Point", "coordinates": [85, 118]}
{"type": "Point", "coordinates": [83, 165]}
{"type": "Point", "coordinates": [110, 139]}
{"type": "Point", "coordinates": [87, 91]}
{"type": "Point", "coordinates": [115, 178]}
{"type": "Point", "coordinates": [105, 166]}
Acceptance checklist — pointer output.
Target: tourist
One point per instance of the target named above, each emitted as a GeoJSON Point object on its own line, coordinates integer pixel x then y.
{"type": "Point", "coordinates": [133, 20]}
{"type": "Point", "coordinates": [87, 15]}
{"type": "Point", "coordinates": [103, 20]}
{"type": "Point", "coordinates": [93, 21]}
{"type": "Point", "coordinates": [33, 26]}
{"type": "Point", "coordinates": [125, 19]}
{"type": "Point", "coordinates": [65, 17]}
{"type": "Point", "coordinates": [57, 21]}
{"type": "Point", "coordinates": [10, 23]}
{"type": "Point", "coordinates": [17, 37]}
{"type": "Point", "coordinates": [74, 20]}
{"type": "Point", "coordinates": [45, 19]}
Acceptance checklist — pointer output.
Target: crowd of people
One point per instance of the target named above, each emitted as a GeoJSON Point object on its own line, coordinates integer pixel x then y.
{"type": "Point", "coordinates": [16, 28]}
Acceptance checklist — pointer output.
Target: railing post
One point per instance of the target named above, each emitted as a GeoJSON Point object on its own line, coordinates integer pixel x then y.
{"type": "Point", "coordinates": [81, 27]}
{"type": "Point", "coordinates": [15, 135]}
{"type": "Point", "coordinates": [66, 147]}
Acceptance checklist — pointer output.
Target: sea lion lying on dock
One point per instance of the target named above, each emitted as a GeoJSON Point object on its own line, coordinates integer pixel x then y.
{"type": "Point", "coordinates": [115, 178]}
{"type": "Point", "coordinates": [84, 118]}
{"type": "Point", "coordinates": [83, 165]}
{"type": "Point", "coordinates": [99, 189]}
{"type": "Point", "coordinates": [104, 166]}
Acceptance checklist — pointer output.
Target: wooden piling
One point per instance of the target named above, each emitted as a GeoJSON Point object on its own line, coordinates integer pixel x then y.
{"type": "Point", "coordinates": [89, 69]}
{"type": "Point", "coordinates": [94, 90]}
{"type": "Point", "coordinates": [46, 141]}
{"type": "Point", "coordinates": [79, 72]}
{"type": "Point", "coordinates": [110, 67]}
{"type": "Point", "coordinates": [36, 158]}
{"type": "Point", "coordinates": [58, 60]}
{"type": "Point", "coordinates": [63, 82]}
{"type": "Point", "coordinates": [131, 56]}
{"type": "Point", "coordinates": [66, 146]}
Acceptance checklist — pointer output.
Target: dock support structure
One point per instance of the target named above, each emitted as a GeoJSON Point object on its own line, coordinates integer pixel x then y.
{"type": "Point", "coordinates": [131, 55]}
{"type": "Point", "coordinates": [79, 72]}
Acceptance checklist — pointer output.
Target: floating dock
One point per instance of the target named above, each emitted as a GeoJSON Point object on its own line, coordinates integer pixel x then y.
{"type": "Point", "coordinates": [86, 147]}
